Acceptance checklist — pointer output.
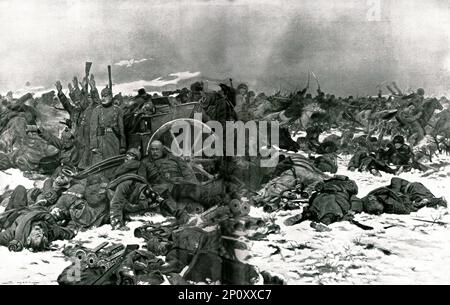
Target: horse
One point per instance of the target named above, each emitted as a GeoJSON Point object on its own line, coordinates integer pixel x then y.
{"type": "Point", "coordinates": [443, 123]}
{"type": "Point", "coordinates": [428, 109]}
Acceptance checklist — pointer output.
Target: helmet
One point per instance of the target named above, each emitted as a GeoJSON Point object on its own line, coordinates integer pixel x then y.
{"type": "Point", "coordinates": [242, 86]}
{"type": "Point", "coordinates": [420, 91]}
{"type": "Point", "coordinates": [106, 92]}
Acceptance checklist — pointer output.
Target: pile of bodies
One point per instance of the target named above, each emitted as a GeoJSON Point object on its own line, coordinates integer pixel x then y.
{"type": "Point", "coordinates": [94, 178]}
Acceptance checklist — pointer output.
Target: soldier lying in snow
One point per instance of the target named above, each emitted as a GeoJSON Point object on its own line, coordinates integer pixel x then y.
{"type": "Point", "coordinates": [333, 200]}
{"type": "Point", "coordinates": [69, 152]}
{"type": "Point", "coordinates": [172, 178]}
{"type": "Point", "coordinates": [30, 227]}
{"type": "Point", "coordinates": [400, 197]}
{"type": "Point", "coordinates": [46, 196]}
{"type": "Point", "coordinates": [368, 159]}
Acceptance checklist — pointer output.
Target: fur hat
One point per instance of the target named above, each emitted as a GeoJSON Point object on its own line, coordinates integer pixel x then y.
{"type": "Point", "coordinates": [242, 86]}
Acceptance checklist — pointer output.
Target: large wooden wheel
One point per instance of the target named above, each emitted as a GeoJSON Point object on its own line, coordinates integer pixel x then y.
{"type": "Point", "coordinates": [184, 138]}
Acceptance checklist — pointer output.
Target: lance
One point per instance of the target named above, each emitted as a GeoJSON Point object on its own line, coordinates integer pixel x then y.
{"type": "Point", "coordinates": [110, 79]}
{"type": "Point", "coordinates": [309, 77]}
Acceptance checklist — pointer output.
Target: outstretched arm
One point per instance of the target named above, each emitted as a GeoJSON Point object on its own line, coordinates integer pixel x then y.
{"type": "Point", "coordinates": [63, 99]}
{"type": "Point", "coordinates": [94, 92]}
{"type": "Point", "coordinates": [391, 90]}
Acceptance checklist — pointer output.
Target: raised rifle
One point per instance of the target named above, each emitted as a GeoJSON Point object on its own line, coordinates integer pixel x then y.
{"type": "Point", "coordinates": [87, 69]}
{"type": "Point", "coordinates": [110, 79]}
{"type": "Point", "coordinates": [309, 77]}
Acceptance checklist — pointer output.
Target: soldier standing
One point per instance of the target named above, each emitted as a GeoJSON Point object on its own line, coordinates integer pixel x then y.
{"type": "Point", "coordinates": [107, 137]}
{"type": "Point", "coordinates": [80, 112]}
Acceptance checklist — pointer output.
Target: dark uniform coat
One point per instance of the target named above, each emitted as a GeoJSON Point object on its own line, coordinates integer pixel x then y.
{"type": "Point", "coordinates": [333, 199]}
{"type": "Point", "coordinates": [19, 222]}
{"type": "Point", "coordinates": [106, 132]}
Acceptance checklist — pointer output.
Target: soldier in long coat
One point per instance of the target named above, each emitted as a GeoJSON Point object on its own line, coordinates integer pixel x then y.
{"type": "Point", "coordinates": [107, 136]}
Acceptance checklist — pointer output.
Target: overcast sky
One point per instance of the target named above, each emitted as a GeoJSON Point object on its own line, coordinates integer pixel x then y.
{"type": "Point", "coordinates": [352, 45]}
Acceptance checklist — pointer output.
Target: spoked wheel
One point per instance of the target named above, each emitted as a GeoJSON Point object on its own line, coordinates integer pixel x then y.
{"type": "Point", "coordinates": [185, 138]}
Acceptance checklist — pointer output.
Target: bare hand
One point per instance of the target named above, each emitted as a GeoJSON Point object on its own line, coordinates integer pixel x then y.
{"type": "Point", "coordinates": [58, 86]}
{"type": "Point", "coordinates": [92, 81]}
{"type": "Point", "coordinates": [84, 82]}
{"type": "Point", "coordinates": [75, 82]}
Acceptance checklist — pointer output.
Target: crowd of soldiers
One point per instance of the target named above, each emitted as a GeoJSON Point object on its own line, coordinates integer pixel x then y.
{"type": "Point", "coordinates": [96, 132]}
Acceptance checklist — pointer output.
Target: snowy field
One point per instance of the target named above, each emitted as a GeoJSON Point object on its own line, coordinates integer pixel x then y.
{"type": "Point", "coordinates": [400, 250]}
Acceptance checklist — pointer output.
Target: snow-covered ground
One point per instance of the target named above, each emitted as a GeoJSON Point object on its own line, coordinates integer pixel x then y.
{"type": "Point", "coordinates": [400, 250]}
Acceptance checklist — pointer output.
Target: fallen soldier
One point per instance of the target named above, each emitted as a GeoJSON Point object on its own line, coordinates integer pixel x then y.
{"type": "Point", "coordinates": [367, 159]}
{"type": "Point", "coordinates": [174, 179]}
{"type": "Point", "coordinates": [69, 152]}
{"type": "Point", "coordinates": [299, 173]}
{"type": "Point", "coordinates": [46, 196]}
{"type": "Point", "coordinates": [88, 205]}
{"type": "Point", "coordinates": [31, 227]}
{"type": "Point", "coordinates": [133, 194]}
{"type": "Point", "coordinates": [401, 156]}
{"type": "Point", "coordinates": [400, 197]}
{"type": "Point", "coordinates": [333, 201]}
{"type": "Point", "coordinates": [326, 162]}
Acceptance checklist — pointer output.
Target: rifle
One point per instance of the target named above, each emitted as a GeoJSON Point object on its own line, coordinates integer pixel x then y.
{"type": "Point", "coordinates": [432, 221]}
{"type": "Point", "coordinates": [170, 92]}
{"type": "Point", "coordinates": [309, 77]}
{"type": "Point", "coordinates": [110, 79]}
{"type": "Point", "coordinates": [87, 69]}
